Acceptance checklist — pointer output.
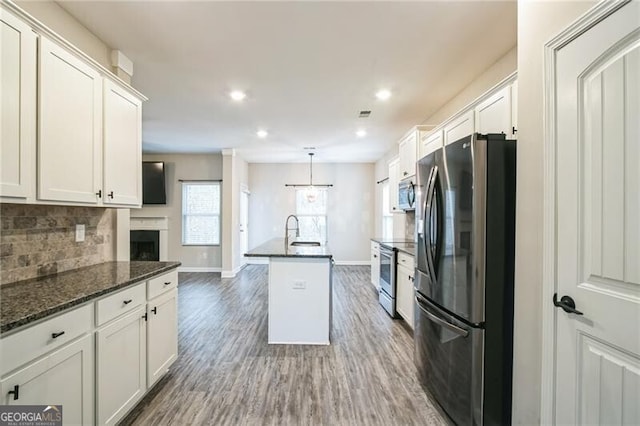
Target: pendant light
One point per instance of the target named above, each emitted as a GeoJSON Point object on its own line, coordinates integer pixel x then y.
{"type": "Point", "coordinates": [311, 194]}
{"type": "Point", "coordinates": [311, 190]}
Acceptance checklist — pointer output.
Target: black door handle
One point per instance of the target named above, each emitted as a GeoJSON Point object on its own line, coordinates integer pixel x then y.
{"type": "Point", "coordinates": [126, 302]}
{"type": "Point", "coordinates": [167, 283]}
{"type": "Point", "coordinates": [155, 310]}
{"type": "Point", "coordinates": [15, 392]}
{"type": "Point", "coordinates": [56, 335]}
{"type": "Point", "coordinates": [566, 303]}
{"type": "Point", "coordinates": [110, 194]}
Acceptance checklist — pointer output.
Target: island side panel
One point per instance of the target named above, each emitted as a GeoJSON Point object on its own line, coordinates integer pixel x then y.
{"type": "Point", "coordinates": [299, 300]}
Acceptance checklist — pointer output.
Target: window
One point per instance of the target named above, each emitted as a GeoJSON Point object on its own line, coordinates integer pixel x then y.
{"type": "Point", "coordinates": [200, 213]}
{"type": "Point", "coordinates": [387, 216]}
{"type": "Point", "coordinates": [312, 215]}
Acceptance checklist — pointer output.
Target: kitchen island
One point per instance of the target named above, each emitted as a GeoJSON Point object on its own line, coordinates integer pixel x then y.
{"type": "Point", "coordinates": [299, 292]}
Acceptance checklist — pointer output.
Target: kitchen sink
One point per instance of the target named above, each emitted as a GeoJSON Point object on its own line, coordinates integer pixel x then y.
{"type": "Point", "coordinates": [306, 243]}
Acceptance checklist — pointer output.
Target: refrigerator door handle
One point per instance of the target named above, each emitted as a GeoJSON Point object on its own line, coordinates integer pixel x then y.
{"type": "Point", "coordinates": [431, 190]}
{"type": "Point", "coordinates": [454, 329]}
{"type": "Point", "coordinates": [423, 231]}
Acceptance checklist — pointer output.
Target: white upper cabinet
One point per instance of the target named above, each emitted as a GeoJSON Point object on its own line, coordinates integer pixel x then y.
{"type": "Point", "coordinates": [458, 128]}
{"type": "Point", "coordinates": [122, 146]}
{"type": "Point", "coordinates": [18, 107]}
{"type": "Point", "coordinates": [431, 142]}
{"type": "Point", "coordinates": [69, 127]}
{"type": "Point", "coordinates": [407, 148]}
{"type": "Point", "coordinates": [514, 110]}
{"type": "Point", "coordinates": [493, 115]}
{"type": "Point", "coordinates": [394, 174]}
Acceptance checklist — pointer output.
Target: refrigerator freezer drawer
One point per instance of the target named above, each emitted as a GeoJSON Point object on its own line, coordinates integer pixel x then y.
{"type": "Point", "coordinates": [449, 357]}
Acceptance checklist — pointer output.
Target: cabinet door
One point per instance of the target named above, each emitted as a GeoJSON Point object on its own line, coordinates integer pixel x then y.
{"type": "Point", "coordinates": [394, 170]}
{"type": "Point", "coordinates": [69, 126]}
{"type": "Point", "coordinates": [122, 146]}
{"type": "Point", "coordinates": [407, 150]}
{"type": "Point", "coordinates": [17, 107]}
{"type": "Point", "coordinates": [493, 115]}
{"type": "Point", "coordinates": [431, 143]}
{"type": "Point", "coordinates": [375, 268]}
{"type": "Point", "coordinates": [514, 109]}
{"type": "Point", "coordinates": [121, 366]}
{"type": "Point", "coordinates": [64, 377]}
{"type": "Point", "coordinates": [162, 335]}
{"type": "Point", "coordinates": [459, 128]}
{"type": "Point", "coordinates": [404, 299]}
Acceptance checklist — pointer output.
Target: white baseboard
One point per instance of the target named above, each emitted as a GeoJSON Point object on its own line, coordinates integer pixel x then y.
{"type": "Point", "coordinates": [199, 269]}
{"type": "Point", "coordinates": [257, 260]}
{"type": "Point", "coordinates": [232, 274]}
{"type": "Point", "coordinates": [353, 262]}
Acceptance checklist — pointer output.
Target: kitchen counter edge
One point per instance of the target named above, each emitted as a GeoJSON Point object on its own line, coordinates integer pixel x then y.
{"type": "Point", "coordinates": [14, 325]}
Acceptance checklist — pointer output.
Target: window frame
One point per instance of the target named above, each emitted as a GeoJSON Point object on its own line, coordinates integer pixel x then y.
{"type": "Point", "coordinates": [183, 214]}
{"type": "Point", "coordinates": [325, 215]}
{"type": "Point", "coordinates": [386, 214]}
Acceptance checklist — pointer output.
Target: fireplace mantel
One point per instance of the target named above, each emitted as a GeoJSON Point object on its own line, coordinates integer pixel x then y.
{"type": "Point", "coordinates": [154, 224]}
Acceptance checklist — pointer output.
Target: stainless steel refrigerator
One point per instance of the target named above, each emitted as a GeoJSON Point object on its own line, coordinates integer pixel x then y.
{"type": "Point", "coordinates": [465, 226]}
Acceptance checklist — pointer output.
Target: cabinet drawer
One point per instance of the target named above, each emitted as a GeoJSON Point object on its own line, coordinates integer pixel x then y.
{"type": "Point", "coordinates": [119, 303]}
{"type": "Point", "coordinates": [158, 285]}
{"type": "Point", "coordinates": [27, 345]}
{"type": "Point", "coordinates": [405, 260]}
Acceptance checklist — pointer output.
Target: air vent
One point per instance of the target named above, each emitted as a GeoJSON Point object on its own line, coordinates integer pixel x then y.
{"type": "Point", "coordinates": [310, 147]}
{"type": "Point", "coordinates": [364, 114]}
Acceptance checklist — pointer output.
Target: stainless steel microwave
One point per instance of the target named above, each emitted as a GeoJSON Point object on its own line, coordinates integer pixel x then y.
{"type": "Point", "coordinates": [406, 195]}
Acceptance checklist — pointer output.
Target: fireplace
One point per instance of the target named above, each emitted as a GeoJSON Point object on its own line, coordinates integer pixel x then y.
{"type": "Point", "coordinates": [149, 238]}
{"type": "Point", "coordinates": [144, 245]}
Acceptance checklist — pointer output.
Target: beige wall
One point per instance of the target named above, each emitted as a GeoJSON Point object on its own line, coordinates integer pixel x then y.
{"type": "Point", "coordinates": [184, 166]}
{"type": "Point", "coordinates": [351, 202]}
{"type": "Point", "coordinates": [537, 23]}
{"type": "Point", "coordinates": [55, 17]}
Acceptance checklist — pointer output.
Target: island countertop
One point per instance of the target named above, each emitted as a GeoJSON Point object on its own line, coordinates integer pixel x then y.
{"type": "Point", "coordinates": [276, 248]}
{"type": "Point", "coordinates": [26, 301]}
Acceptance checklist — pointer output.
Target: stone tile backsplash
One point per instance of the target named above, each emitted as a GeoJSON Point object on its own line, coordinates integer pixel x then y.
{"type": "Point", "coordinates": [40, 240]}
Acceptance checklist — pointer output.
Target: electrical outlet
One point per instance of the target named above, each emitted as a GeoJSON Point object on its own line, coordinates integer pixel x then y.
{"type": "Point", "coordinates": [299, 285]}
{"type": "Point", "coordinates": [79, 233]}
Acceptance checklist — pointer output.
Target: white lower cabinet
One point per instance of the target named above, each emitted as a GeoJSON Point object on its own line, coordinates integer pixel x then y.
{"type": "Point", "coordinates": [162, 335]}
{"type": "Point", "coordinates": [121, 359]}
{"type": "Point", "coordinates": [404, 282]}
{"type": "Point", "coordinates": [375, 264]}
{"type": "Point", "coordinates": [64, 377]}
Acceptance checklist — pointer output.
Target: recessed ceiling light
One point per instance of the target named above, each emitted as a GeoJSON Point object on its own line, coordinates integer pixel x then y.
{"type": "Point", "coordinates": [262, 134]}
{"type": "Point", "coordinates": [361, 133]}
{"type": "Point", "coordinates": [383, 94]}
{"type": "Point", "coordinates": [237, 95]}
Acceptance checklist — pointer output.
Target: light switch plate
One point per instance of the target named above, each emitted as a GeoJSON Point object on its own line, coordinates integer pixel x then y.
{"type": "Point", "coordinates": [79, 233]}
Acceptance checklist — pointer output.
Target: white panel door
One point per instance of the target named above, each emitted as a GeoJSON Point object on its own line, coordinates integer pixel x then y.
{"type": "Point", "coordinates": [64, 377]}
{"type": "Point", "coordinates": [404, 299]}
{"type": "Point", "coordinates": [69, 126]}
{"type": "Point", "coordinates": [493, 115]}
{"type": "Point", "coordinates": [431, 143]}
{"type": "Point", "coordinates": [407, 149]}
{"type": "Point", "coordinates": [162, 335]}
{"type": "Point", "coordinates": [17, 107]}
{"type": "Point", "coordinates": [122, 146]}
{"type": "Point", "coordinates": [120, 366]}
{"type": "Point", "coordinates": [598, 223]}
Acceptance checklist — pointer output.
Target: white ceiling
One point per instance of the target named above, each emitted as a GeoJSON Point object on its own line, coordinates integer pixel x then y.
{"type": "Point", "coordinates": [308, 69]}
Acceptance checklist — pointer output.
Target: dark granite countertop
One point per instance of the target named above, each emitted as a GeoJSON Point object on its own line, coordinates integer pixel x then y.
{"type": "Point", "coordinates": [404, 245]}
{"type": "Point", "coordinates": [26, 301]}
{"type": "Point", "coordinates": [276, 248]}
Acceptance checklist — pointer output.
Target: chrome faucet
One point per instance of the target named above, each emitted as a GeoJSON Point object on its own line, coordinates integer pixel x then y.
{"type": "Point", "coordinates": [287, 229]}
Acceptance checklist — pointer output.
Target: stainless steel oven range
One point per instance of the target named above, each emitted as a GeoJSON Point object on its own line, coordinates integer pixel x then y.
{"type": "Point", "coordinates": [387, 292]}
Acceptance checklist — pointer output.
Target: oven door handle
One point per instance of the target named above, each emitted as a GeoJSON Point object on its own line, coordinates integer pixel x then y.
{"type": "Point", "coordinates": [454, 329]}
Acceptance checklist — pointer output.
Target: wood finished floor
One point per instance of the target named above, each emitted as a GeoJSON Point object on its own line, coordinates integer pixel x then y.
{"type": "Point", "coordinates": [226, 373]}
